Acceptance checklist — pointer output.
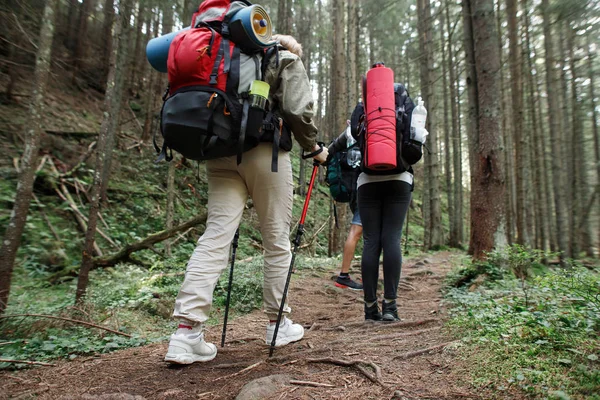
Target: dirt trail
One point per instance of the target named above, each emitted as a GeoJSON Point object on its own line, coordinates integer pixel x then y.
{"type": "Point", "coordinates": [334, 329]}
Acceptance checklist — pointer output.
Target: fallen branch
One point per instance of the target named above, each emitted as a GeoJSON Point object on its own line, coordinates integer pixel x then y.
{"type": "Point", "coordinates": [4, 360]}
{"type": "Point", "coordinates": [232, 365]}
{"type": "Point", "coordinates": [311, 241]}
{"type": "Point", "coordinates": [75, 321]}
{"type": "Point", "coordinates": [412, 354]}
{"type": "Point", "coordinates": [240, 372]}
{"type": "Point", "coordinates": [312, 384]}
{"type": "Point", "coordinates": [80, 162]}
{"type": "Point", "coordinates": [146, 243]}
{"type": "Point", "coordinates": [358, 364]}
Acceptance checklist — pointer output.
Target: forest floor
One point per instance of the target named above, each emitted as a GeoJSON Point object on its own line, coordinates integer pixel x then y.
{"type": "Point", "coordinates": [386, 365]}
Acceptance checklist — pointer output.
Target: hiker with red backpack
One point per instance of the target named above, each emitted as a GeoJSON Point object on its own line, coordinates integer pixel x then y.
{"type": "Point", "coordinates": [391, 134]}
{"type": "Point", "coordinates": [235, 105]}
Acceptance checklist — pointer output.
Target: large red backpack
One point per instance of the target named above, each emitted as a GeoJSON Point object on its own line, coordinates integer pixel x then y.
{"type": "Point", "coordinates": [206, 113]}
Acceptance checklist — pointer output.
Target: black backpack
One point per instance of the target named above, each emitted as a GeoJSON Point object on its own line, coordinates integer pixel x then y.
{"type": "Point", "coordinates": [408, 152]}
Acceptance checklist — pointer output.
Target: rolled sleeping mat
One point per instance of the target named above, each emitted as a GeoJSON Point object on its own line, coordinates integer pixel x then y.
{"type": "Point", "coordinates": [157, 50]}
{"type": "Point", "coordinates": [251, 29]}
{"type": "Point", "coordinates": [380, 112]}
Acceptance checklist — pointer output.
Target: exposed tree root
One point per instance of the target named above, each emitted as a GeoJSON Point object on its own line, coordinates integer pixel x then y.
{"type": "Point", "coordinates": [358, 364]}
{"type": "Point", "coordinates": [312, 384]}
{"type": "Point", "coordinates": [411, 354]}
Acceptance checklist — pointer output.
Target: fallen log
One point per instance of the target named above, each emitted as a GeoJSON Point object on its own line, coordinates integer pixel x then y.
{"type": "Point", "coordinates": [74, 321]}
{"type": "Point", "coordinates": [125, 253]}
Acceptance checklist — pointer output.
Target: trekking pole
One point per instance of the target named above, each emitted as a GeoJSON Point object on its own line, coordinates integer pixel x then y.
{"type": "Point", "coordinates": [407, 225]}
{"type": "Point", "coordinates": [234, 246]}
{"type": "Point", "coordinates": [296, 242]}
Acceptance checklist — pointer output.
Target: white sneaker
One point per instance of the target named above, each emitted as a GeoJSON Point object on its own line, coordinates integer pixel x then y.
{"type": "Point", "coordinates": [187, 349]}
{"type": "Point", "coordinates": [288, 332]}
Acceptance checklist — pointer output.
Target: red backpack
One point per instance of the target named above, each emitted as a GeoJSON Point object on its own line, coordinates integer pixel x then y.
{"type": "Point", "coordinates": [207, 113]}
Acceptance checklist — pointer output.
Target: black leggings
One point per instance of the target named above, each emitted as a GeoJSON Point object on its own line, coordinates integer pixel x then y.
{"type": "Point", "coordinates": [382, 207]}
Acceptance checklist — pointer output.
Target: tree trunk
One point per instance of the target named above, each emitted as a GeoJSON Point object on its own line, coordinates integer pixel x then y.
{"type": "Point", "coordinates": [112, 104]}
{"type": "Point", "coordinates": [594, 127]}
{"type": "Point", "coordinates": [471, 83]}
{"type": "Point", "coordinates": [353, 38]}
{"type": "Point", "coordinates": [447, 124]}
{"type": "Point", "coordinates": [555, 133]}
{"type": "Point", "coordinates": [339, 90]}
{"type": "Point", "coordinates": [81, 34]}
{"type": "Point", "coordinates": [137, 59]}
{"type": "Point", "coordinates": [456, 216]}
{"type": "Point", "coordinates": [107, 24]}
{"type": "Point", "coordinates": [542, 229]}
{"type": "Point", "coordinates": [517, 118]}
{"type": "Point", "coordinates": [170, 203]}
{"type": "Point", "coordinates": [150, 91]}
{"type": "Point", "coordinates": [580, 181]}
{"type": "Point", "coordinates": [16, 225]}
{"type": "Point", "coordinates": [434, 226]}
{"type": "Point", "coordinates": [487, 192]}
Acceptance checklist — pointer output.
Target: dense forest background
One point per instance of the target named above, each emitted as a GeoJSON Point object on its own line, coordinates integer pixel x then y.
{"type": "Point", "coordinates": [513, 157]}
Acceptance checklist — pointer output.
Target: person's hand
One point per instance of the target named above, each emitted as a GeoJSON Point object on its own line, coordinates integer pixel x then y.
{"type": "Point", "coordinates": [322, 156]}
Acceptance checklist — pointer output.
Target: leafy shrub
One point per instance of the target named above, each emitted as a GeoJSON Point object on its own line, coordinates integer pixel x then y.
{"type": "Point", "coordinates": [539, 336]}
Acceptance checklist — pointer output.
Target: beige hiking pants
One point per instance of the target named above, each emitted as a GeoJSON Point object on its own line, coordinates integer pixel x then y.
{"type": "Point", "coordinates": [229, 185]}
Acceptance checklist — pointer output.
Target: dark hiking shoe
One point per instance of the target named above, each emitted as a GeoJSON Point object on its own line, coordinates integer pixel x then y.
{"type": "Point", "coordinates": [347, 283]}
{"type": "Point", "coordinates": [389, 311]}
{"type": "Point", "coordinates": [372, 313]}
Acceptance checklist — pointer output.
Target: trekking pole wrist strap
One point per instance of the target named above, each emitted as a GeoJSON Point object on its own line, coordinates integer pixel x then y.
{"type": "Point", "coordinates": [314, 153]}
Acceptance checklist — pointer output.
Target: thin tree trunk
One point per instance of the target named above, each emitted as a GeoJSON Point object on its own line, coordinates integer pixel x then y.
{"type": "Point", "coordinates": [339, 74]}
{"type": "Point", "coordinates": [582, 235]}
{"type": "Point", "coordinates": [447, 124]}
{"type": "Point", "coordinates": [538, 151]}
{"type": "Point", "coordinates": [517, 118]}
{"type": "Point", "coordinates": [510, 196]}
{"type": "Point", "coordinates": [594, 127]}
{"type": "Point", "coordinates": [431, 161]}
{"type": "Point", "coordinates": [136, 58]}
{"type": "Point", "coordinates": [555, 133]}
{"type": "Point", "coordinates": [81, 34]}
{"type": "Point", "coordinates": [455, 237]}
{"type": "Point", "coordinates": [487, 193]}
{"type": "Point", "coordinates": [472, 87]}
{"type": "Point", "coordinates": [112, 104]}
{"type": "Point", "coordinates": [170, 203]}
{"type": "Point", "coordinates": [150, 91]}
{"type": "Point", "coordinates": [547, 170]}
{"type": "Point", "coordinates": [109, 15]}
{"type": "Point", "coordinates": [14, 230]}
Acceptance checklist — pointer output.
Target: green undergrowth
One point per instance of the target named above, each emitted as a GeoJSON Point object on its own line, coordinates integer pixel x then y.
{"type": "Point", "coordinates": [528, 328]}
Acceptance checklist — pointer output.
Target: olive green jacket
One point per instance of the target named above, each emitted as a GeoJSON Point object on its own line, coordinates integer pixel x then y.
{"type": "Point", "coordinates": [291, 95]}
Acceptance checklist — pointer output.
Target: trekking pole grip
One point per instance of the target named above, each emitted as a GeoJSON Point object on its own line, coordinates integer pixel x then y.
{"type": "Point", "coordinates": [314, 153]}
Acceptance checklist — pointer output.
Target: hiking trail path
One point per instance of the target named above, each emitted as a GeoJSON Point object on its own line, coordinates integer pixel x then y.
{"type": "Point", "coordinates": [382, 360]}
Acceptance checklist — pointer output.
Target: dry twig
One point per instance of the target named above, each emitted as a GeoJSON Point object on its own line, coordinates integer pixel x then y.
{"type": "Point", "coordinates": [240, 372]}
{"type": "Point", "coordinates": [358, 364]}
